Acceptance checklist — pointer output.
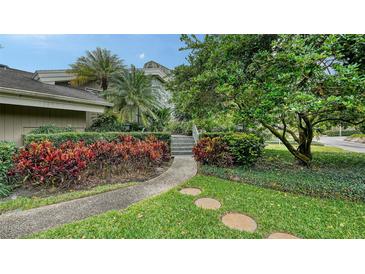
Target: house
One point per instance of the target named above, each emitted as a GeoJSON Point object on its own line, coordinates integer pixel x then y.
{"type": "Point", "coordinates": [27, 103]}
{"type": "Point", "coordinates": [159, 73]}
{"type": "Point", "coordinates": [29, 100]}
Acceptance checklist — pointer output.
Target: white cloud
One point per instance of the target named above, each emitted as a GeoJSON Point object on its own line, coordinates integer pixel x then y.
{"type": "Point", "coordinates": [141, 56]}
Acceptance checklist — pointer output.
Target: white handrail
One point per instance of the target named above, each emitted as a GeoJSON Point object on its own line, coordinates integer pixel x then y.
{"type": "Point", "coordinates": [195, 133]}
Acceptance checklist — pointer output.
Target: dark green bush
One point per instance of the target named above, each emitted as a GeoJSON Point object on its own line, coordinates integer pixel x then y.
{"type": "Point", "coordinates": [180, 127]}
{"type": "Point", "coordinates": [91, 137]}
{"type": "Point", "coordinates": [343, 133]}
{"type": "Point", "coordinates": [7, 150]}
{"type": "Point", "coordinates": [245, 148]}
{"type": "Point", "coordinates": [109, 123]}
{"type": "Point", "coordinates": [48, 129]}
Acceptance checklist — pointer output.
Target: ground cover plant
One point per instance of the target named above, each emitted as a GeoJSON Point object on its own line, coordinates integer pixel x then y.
{"type": "Point", "coordinates": [335, 173]}
{"type": "Point", "coordinates": [74, 163]}
{"type": "Point", "coordinates": [174, 215]}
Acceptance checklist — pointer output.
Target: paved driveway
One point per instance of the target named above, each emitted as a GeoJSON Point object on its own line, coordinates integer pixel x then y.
{"type": "Point", "coordinates": [341, 143]}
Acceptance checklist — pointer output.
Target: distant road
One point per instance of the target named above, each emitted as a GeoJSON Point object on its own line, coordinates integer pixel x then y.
{"type": "Point", "coordinates": [341, 143]}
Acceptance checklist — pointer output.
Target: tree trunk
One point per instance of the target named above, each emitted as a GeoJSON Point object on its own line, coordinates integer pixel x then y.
{"type": "Point", "coordinates": [303, 152]}
{"type": "Point", "coordinates": [138, 116]}
{"type": "Point", "coordinates": [305, 138]}
{"type": "Point", "coordinates": [104, 83]}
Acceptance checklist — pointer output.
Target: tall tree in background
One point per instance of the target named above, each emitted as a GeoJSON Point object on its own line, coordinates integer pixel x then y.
{"type": "Point", "coordinates": [133, 96]}
{"type": "Point", "coordinates": [161, 119]}
{"type": "Point", "coordinates": [290, 84]}
{"type": "Point", "coordinates": [98, 66]}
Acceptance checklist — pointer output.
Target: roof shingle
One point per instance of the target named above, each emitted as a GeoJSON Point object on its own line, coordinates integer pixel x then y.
{"type": "Point", "coordinates": [17, 79]}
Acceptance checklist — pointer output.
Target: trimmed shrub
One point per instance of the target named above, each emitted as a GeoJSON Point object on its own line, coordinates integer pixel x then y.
{"type": "Point", "coordinates": [109, 123]}
{"type": "Point", "coordinates": [92, 137]}
{"type": "Point", "coordinates": [48, 129]}
{"type": "Point", "coordinates": [7, 151]}
{"type": "Point", "coordinates": [213, 151]}
{"type": "Point", "coordinates": [45, 164]}
{"type": "Point", "coordinates": [244, 148]}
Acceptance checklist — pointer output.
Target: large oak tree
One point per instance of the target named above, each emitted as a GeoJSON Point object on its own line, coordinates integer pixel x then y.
{"type": "Point", "coordinates": [290, 84]}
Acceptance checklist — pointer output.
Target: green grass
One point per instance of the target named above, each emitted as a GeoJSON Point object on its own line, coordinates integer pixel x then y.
{"type": "Point", "coordinates": [335, 173]}
{"type": "Point", "coordinates": [24, 203]}
{"type": "Point", "coordinates": [174, 215]}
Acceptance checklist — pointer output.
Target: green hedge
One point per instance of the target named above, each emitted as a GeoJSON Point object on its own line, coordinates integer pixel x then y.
{"type": "Point", "coordinates": [50, 129]}
{"type": "Point", "coordinates": [245, 148]}
{"type": "Point", "coordinates": [7, 150]}
{"type": "Point", "coordinates": [91, 137]}
{"type": "Point", "coordinates": [343, 133]}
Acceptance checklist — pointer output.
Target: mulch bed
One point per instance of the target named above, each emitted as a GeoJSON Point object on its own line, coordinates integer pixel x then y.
{"type": "Point", "coordinates": [92, 181]}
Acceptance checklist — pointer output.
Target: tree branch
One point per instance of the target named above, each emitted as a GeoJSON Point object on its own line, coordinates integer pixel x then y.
{"type": "Point", "coordinates": [340, 120]}
{"type": "Point", "coordinates": [291, 132]}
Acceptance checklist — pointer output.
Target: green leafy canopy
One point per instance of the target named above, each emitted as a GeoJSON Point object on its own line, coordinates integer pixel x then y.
{"type": "Point", "coordinates": [290, 84]}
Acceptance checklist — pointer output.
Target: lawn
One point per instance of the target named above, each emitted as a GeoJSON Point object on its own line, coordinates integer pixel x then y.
{"type": "Point", "coordinates": [23, 203]}
{"type": "Point", "coordinates": [335, 173]}
{"type": "Point", "coordinates": [174, 215]}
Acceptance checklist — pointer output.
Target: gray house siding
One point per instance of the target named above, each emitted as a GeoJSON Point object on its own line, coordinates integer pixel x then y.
{"type": "Point", "coordinates": [18, 120]}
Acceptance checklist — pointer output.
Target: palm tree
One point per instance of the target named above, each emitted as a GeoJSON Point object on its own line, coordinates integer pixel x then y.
{"type": "Point", "coordinates": [96, 66]}
{"type": "Point", "coordinates": [163, 117]}
{"type": "Point", "coordinates": [133, 96]}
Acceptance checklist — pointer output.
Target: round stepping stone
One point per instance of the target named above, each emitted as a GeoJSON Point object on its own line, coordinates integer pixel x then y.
{"type": "Point", "coordinates": [239, 221]}
{"type": "Point", "coordinates": [190, 191]}
{"type": "Point", "coordinates": [281, 235]}
{"type": "Point", "coordinates": [208, 203]}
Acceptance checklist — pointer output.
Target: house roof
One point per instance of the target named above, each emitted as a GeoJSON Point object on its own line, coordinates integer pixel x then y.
{"type": "Point", "coordinates": [22, 80]}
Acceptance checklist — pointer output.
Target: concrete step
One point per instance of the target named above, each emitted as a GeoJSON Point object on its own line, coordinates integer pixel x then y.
{"type": "Point", "coordinates": [179, 138]}
{"type": "Point", "coordinates": [175, 153]}
{"type": "Point", "coordinates": [182, 145]}
{"type": "Point", "coordinates": [182, 149]}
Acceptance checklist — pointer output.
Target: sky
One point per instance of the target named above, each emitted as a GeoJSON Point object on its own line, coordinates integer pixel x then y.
{"type": "Point", "coordinates": [37, 52]}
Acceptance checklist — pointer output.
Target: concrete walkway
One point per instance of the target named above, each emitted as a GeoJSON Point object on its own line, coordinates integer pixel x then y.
{"type": "Point", "coordinates": [21, 223]}
{"type": "Point", "coordinates": [342, 143]}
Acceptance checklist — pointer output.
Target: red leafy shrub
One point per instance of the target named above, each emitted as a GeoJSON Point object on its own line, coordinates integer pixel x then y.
{"type": "Point", "coordinates": [213, 151]}
{"type": "Point", "coordinates": [43, 163]}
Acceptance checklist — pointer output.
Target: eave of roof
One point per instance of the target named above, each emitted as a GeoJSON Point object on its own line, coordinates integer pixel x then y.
{"type": "Point", "coordinates": [52, 96]}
